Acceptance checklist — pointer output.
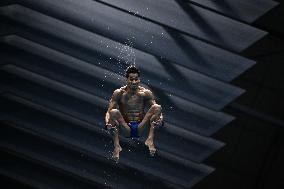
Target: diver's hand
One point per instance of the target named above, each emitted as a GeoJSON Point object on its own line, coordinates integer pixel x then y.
{"type": "Point", "coordinates": [110, 126]}
{"type": "Point", "coordinates": [159, 122]}
{"type": "Point", "coordinates": [112, 129]}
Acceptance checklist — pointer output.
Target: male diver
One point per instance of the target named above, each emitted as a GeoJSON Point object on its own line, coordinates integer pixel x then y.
{"type": "Point", "coordinates": [126, 114]}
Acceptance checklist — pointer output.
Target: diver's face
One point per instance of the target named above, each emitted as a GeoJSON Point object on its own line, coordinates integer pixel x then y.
{"type": "Point", "coordinates": [133, 81]}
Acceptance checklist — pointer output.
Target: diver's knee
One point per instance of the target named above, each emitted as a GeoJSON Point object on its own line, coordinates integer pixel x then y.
{"type": "Point", "coordinates": [114, 112]}
{"type": "Point", "coordinates": [156, 107]}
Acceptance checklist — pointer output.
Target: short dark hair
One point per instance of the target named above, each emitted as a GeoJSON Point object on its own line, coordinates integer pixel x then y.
{"type": "Point", "coordinates": [131, 69]}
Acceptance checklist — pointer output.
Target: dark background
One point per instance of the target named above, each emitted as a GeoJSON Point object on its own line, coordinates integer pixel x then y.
{"type": "Point", "coordinates": [254, 152]}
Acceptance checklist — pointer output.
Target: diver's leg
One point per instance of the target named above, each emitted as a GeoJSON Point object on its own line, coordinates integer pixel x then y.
{"type": "Point", "coordinates": [150, 140]}
{"type": "Point", "coordinates": [151, 116]}
{"type": "Point", "coordinates": [153, 113]}
{"type": "Point", "coordinates": [117, 121]}
{"type": "Point", "coordinates": [117, 148]}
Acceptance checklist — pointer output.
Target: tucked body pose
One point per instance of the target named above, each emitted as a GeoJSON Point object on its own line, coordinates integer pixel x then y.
{"type": "Point", "coordinates": [126, 113]}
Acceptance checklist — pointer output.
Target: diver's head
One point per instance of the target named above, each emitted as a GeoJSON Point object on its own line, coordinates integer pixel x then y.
{"type": "Point", "coordinates": [132, 74]}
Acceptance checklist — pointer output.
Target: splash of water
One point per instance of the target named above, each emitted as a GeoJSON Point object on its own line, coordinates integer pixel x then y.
{"type": "Point", "coordinates": [126, 56]}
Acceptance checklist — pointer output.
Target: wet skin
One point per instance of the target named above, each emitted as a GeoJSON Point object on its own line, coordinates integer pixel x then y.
{"type": "Point", "coordinates": [127, 104]}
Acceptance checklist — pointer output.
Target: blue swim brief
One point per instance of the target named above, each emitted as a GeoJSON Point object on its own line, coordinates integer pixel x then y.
{"type": "Point", "coordinates": [133, 129]}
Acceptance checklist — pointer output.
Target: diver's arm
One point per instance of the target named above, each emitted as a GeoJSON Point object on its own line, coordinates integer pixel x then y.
{"type": "Point", "coordinates": [149, 97]}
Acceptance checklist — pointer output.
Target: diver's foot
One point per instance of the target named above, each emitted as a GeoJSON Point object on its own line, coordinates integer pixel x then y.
{"type": "Point", "coordinates": [151, 147]}
{"type": "Point", "coordinates": [115, 154]}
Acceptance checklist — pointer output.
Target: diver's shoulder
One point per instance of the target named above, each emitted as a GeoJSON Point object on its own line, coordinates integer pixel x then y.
{"type": "Point", "coordinates": [145, 91]}
{"type": "Point", "coordinates": [117, 93]}
{"type": "Point", "coordinates": [119, 90]}
{"type": "Point", "coordinates": [123, 88]}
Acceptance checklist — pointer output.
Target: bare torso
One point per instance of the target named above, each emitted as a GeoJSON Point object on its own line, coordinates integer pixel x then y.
{"type": "Point", "coordinates": [131, 105]}
{"type": "Point", "coordinates": [128, 104]}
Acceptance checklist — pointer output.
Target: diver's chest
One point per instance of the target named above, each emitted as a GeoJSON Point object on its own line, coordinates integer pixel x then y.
{"type": "Point", "coordinates": [132, 100]}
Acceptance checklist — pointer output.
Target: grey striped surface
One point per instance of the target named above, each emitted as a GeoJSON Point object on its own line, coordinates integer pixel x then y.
{"type": "Point", "coordinates": [60, 62]}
